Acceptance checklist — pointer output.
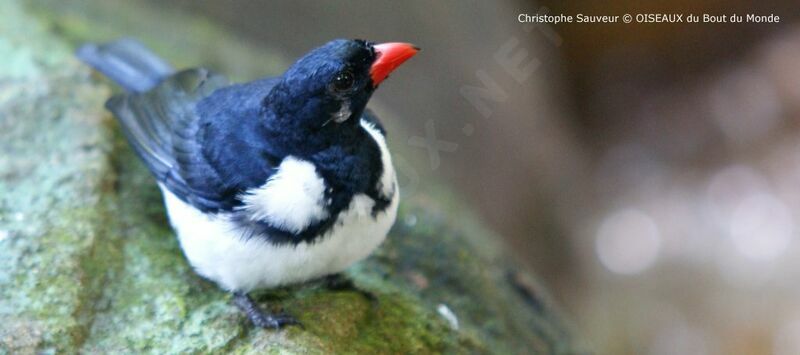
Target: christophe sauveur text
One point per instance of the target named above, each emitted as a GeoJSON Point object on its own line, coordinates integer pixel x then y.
{"type": "Point", "coordinates": [648, 18]}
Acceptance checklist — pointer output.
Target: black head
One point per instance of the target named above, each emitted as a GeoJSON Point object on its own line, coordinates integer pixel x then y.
{"type": "Point", "coordinates": [321, 97]}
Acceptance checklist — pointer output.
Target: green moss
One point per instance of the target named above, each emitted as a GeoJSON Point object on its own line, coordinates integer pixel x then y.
{"type": "Point", "coordinates": [89, 264]}
{"type": "Point", "coordinates": [52, 160]}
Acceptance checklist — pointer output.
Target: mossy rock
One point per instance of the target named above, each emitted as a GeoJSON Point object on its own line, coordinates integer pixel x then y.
{"type": "Point", "coordinates": [89, 264]}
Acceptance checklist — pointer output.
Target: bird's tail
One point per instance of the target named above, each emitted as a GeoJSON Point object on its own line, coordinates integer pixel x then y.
{"type": "Point", "coordinates": [127, 62]}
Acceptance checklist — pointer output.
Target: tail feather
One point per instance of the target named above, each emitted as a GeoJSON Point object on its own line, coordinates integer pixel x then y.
{"type": "Point", "coordinates": [127, 62]}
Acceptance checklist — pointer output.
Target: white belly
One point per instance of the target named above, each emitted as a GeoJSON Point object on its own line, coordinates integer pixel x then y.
{"type": "Point", "coordinates": [218, 252]}
{"type": "Point", "coordinates": [293, 198]}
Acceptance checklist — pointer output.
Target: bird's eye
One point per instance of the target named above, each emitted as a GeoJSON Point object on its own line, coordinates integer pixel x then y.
{"type": "Point", "coordinates": [343, 81]}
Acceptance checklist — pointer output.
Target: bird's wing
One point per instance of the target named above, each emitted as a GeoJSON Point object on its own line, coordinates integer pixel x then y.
{"type": "Point", "coordinates": [165, 131]}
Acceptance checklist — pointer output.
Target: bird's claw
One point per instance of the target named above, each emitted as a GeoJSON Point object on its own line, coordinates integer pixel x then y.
{"type": "Point", "coordinates": [269, 321]}
{"type": "Point", "coordinates": [339, 282]}
{"type": "Point", "coordinates": [260, 318]}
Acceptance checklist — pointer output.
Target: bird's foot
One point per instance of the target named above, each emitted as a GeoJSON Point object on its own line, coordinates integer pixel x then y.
{"type": "Point", "coordinates": [260, 318]}
{"type": "Point", "coordinates": [339, 282]}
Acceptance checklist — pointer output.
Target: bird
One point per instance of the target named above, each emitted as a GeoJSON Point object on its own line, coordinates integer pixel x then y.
{"type": "Point", "coordinates": [272, 182]}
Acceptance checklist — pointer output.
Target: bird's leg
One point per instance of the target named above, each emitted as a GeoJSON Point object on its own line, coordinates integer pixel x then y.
{"type": "Point", "coordinates": [258, 317]}
{"type": "Point", "coordinates": [339, 282]}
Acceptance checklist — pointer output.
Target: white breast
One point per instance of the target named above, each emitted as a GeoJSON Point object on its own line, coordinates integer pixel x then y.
{"type": "Point", "coordinates": [217, 250]}
{"type": "Point", "coordinates": [292, 199]}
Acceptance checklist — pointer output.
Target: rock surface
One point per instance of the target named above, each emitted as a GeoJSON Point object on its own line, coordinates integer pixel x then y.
{"type": "Point", "coordinates": [89, 264]}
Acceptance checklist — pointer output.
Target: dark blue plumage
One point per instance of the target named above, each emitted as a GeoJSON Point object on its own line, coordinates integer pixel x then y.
{"type": "Point", "coordinates": [208, 142]}
{"type": "Point", "coordinates": [296, 162]}
{"type": "Point", "coordinates": [127, 62]}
